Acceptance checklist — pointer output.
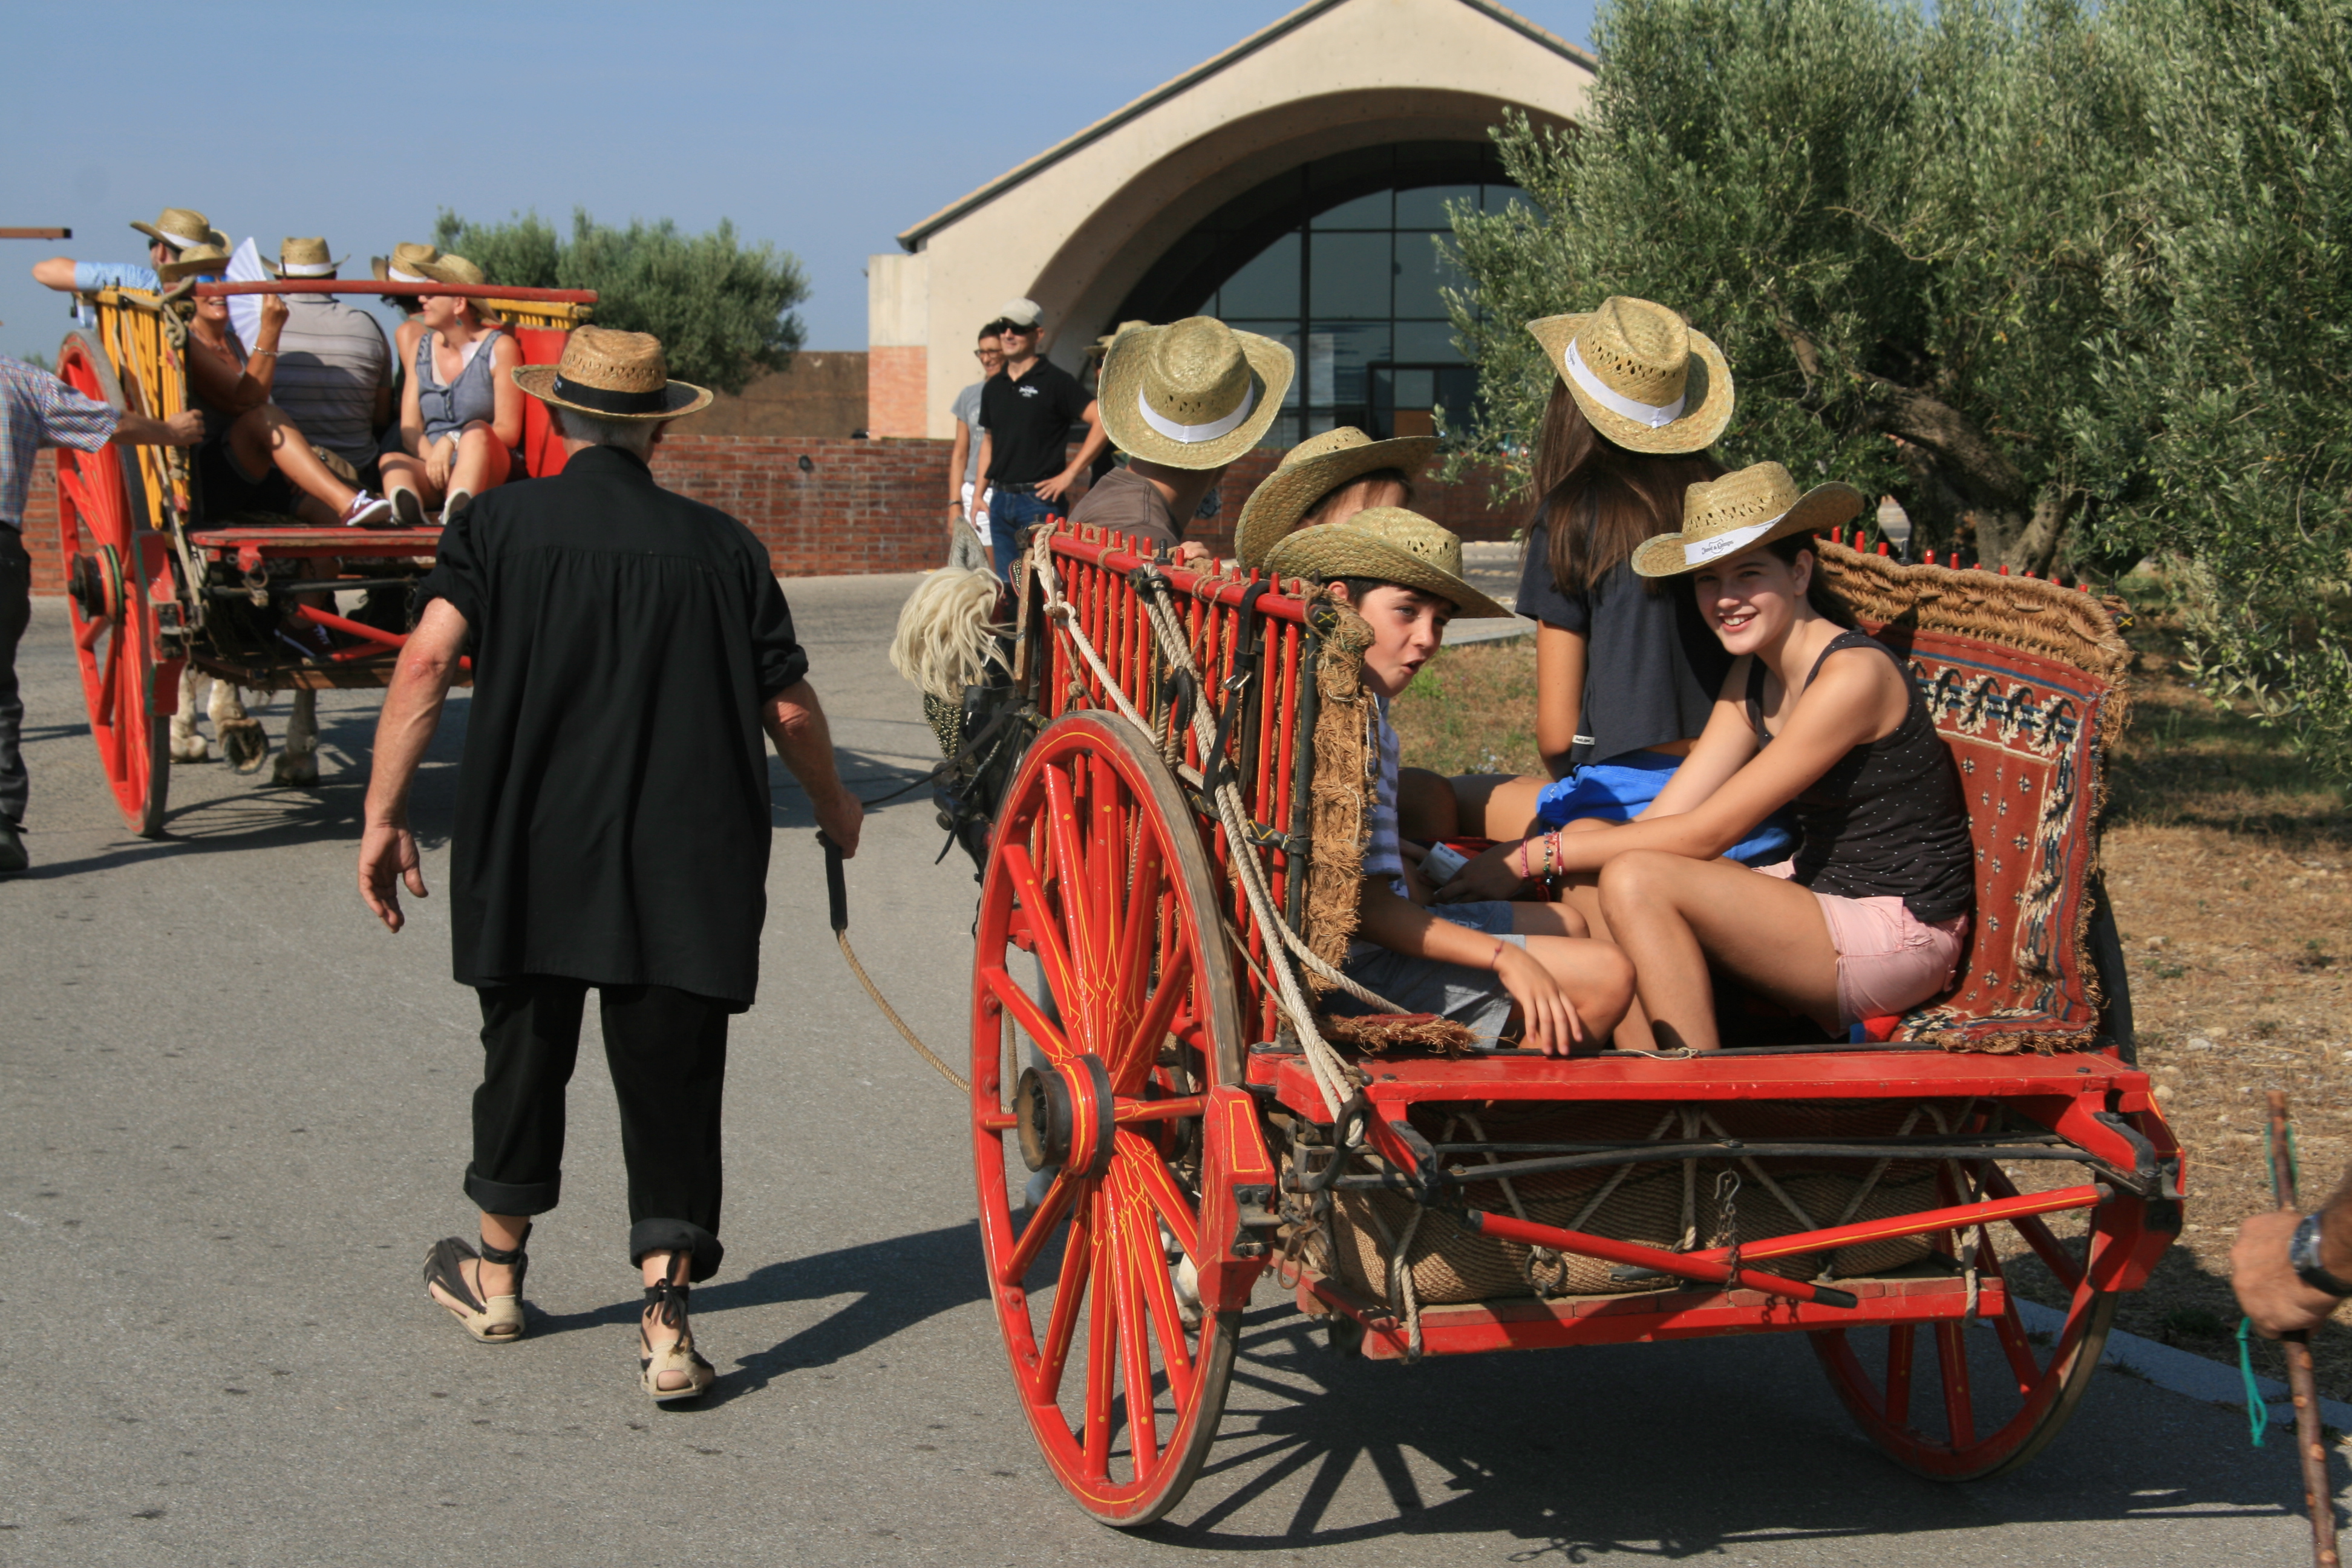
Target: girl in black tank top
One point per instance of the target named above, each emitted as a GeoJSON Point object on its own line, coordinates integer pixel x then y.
{"type": "Point", "coordinates": [1868, 917]}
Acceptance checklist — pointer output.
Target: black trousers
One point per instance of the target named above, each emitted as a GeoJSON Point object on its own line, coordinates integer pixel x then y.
{"type": "Point", "coordinates": [668, 1052]}
{"type": "Point", "coordinates": [15, 613]}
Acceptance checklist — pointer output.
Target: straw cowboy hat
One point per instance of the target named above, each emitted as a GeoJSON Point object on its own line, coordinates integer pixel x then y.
{"type": "Point", "coordinates": [400, 266]}
{"type": "Point", "coordinates": [303, 259]}
{"type": "Point", "coordinates": [613, 376]}
{"type": "Point", "coordinates": [1389, 543]}
{"type": "Point", "coordinates": [444, 268]}
{"type": "Point", "coordinates": [194, 262]}
{"type": "Point", "coordinates": [181, 227]}
{"type": "Point", "coordinates": [1194, 395]}
{"type": "Point", "coordinates": [1755, 506]}
{"type": "Point", "coordinates": [1313, 469]}
{"type": "Point", "coordinates": [1642, 377]}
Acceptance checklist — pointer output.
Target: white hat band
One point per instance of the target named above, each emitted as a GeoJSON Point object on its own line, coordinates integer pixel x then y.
{"type": "Point", "coordinates": [1701, 551]}
{"type": "Point", "coordinates": [1650, 414]}
{"type": "Point", "coordinates": [397, 276]}
{"type": "Point", "coordinates": [305, 269]}
{"type": "Point", "coordinates": [1194, 434]}
{"type": "Point", "coordinates": [179, 241]}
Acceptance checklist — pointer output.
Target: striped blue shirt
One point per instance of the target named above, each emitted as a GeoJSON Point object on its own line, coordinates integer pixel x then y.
{"type": "Point", "coordinates": [1383, 858]}
{"type": "Point", "coordinates": [39, 410]}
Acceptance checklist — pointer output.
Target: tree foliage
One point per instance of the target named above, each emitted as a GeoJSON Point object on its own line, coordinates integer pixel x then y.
{"type": "Point", "coordinates": [2070, 283]}
{"type": "Point", "coordinates": [722, 309]}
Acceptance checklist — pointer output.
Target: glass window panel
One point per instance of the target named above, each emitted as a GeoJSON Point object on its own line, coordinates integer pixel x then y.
{"type": "Point", "coordinates": [1497, 198]}
{"type": "Point", "coordinates": [1267, 285]}
{"type": "Point", "coordinates": [1348, 276]}
{"type": "Point", "coordinates": [1421, 272]}
{"type": "Point", "coordinates": [1427, 343]}
{"type": "Point", "coordinates": [1287, 334]}
{"type": "Point", "coordinates": [1416, 388]}
{"type": "Point", "coordinates": [1458, 394]}
{"type": "Point", "coordinates": [1364, 212]}
{"type": "Point", "coordinates": [1338, 356]}
{"type": "Point", "coordinates": [1425, 208]}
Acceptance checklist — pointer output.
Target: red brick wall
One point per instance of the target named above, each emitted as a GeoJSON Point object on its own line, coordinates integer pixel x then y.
{"type": "Point", "coordinates": [860, 506]}
{"type": "Point", "coordinates": [896, 390]}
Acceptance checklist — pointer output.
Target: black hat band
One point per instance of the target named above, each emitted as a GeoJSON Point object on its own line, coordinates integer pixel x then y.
{"type": "Point", "coordinates": [604, 400]}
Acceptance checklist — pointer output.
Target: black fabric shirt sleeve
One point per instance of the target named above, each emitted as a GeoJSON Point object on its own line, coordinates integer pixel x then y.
{"type": "Point", "coordinates": [777, 658]}
{"type": "Point", "coordinates": [1541, 596]}
{"type": "Point", "coordinates": [457, 575]}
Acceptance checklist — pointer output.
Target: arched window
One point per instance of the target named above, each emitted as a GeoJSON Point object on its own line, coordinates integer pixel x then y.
{"type": "Point", "coordinates": [1338, 258]}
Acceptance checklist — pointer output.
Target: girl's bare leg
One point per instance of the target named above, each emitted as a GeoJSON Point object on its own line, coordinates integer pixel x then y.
{"type": "Point", "coordinates": [1597, 977]}
{"type": "Point", "coordinates": [403, 472]}
{"type": "Point", "coordinates": [264, 437]}
{"type": "Point", "coordinates": [481, 464]}
{"type": "Point", "coordinates": [1498, 806]}
{"type": "Point", "coordinates": [1671, 914]}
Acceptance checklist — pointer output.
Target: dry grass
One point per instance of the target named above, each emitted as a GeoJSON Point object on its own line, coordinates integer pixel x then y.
{"type": "Point", "coordinates": [2230, 865]}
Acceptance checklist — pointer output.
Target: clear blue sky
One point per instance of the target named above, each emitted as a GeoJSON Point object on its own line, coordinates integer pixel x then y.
{"type": "Point", "coordinates": [825, 129]}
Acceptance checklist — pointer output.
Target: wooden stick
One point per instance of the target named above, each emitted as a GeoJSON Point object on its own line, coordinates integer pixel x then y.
{"type": "Point", "coordinates": [2302, 1380]}
{"type": "Point", "coordinates": [35, 233]}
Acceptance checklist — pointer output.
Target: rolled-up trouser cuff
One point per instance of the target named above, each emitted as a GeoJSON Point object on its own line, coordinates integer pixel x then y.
{"type": "Point", "coordinates": [678, 1236]}
{"type": "Point", "coordinates": [512, 1197]}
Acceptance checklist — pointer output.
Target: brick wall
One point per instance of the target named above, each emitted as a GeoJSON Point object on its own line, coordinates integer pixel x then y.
{"type": "Point", "coordinates": [896, 390]}
{"type": "Point", "coordinates": [859, 506]}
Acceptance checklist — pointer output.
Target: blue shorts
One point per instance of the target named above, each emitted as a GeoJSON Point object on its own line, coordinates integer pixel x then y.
{"type": "Point", "coordinates": [1616, 791]}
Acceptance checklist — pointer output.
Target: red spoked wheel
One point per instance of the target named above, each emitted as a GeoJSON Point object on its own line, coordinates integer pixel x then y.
{"type": "Point", "coordinates": [107, 550]}
{"type": "Point", "coordinates": [1098, 870]}
{"type": "Point", "coordinates": [1991, 1400]}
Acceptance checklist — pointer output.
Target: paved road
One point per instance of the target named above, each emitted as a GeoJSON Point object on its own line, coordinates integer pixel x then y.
{"type": "Point", "coordinates": [233, 1112]}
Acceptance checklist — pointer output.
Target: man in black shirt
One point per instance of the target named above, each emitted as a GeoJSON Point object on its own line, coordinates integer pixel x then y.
{"type": "Point", "coordinates": [613, 824]}
{"type": "Point", "coordinates": [1028, 408]}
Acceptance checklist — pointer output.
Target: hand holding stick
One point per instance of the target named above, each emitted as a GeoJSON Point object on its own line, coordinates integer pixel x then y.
{"type": "Point", "coordinates": [2302, 1380]}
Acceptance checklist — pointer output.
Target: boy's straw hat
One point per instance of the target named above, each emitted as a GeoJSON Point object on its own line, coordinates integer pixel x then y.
{"type": "Point", "coordinates": [1313, 469]}
{"type": "Point", "coordinates": [400, 266]}
{"type": "Point", "coordinates": [446, 268]}
{"type": "Point", "coordinates": [194, 262]}
{"type": "Point", "coordinates": [1194, 395]}
{"type": "Point", "coordinates": [1755, 506]}
{"type": "Point", "coordinates": [613, 376]}
{"type": "Point", "coordinates": [181, 227]}
{"type": "Point", "coordinates": [1391, 545]}
{"type": "Point", "coordinates": [303, 259]}
{"type": "Point", "coordinates": [1642, 377]}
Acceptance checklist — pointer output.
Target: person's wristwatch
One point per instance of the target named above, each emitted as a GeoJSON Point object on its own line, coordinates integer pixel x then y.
{"type": "Point", "coordinates": [2303, 1256]}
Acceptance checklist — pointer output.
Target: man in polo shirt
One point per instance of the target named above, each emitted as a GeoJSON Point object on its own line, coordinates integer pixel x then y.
{"type": "Point", "coordinates": [334, 368]}
{"type": "Point", "coordinates": [175, 231]}
{"type": "Point", "coordinates": [1182, 402]}
{"type": "Point", "coordinates": [1026, 411]}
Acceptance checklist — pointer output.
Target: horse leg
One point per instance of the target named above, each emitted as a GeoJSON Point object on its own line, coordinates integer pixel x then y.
{"type": "Point", "coordinates": [298, 759]}
{"type": "Point", "coordinates": [188, 745]}
{"type": "Point", "coordinates": [242, 742]}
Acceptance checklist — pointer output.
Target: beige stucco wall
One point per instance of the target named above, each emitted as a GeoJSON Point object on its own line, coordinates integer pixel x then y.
{"type": "Point", "coordinates": [1078, 233]}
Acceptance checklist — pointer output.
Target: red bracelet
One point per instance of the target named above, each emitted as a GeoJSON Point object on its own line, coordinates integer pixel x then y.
{"type": "Point", "coordinates": [1495, 962]}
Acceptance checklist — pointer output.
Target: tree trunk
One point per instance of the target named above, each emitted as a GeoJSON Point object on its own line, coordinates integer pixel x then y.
{"type": "Point", "coordinates": [2035, 549]}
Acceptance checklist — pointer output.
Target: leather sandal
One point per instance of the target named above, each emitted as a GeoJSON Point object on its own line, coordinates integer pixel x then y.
{"type": "Point", "coordinates": [668, 1304]}
{"type": "Point", "coordinates": [495, 1321]}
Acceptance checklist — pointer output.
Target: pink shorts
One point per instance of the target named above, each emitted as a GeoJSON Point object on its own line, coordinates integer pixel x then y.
{"type": "Point", "coordinates": [1889, 959]}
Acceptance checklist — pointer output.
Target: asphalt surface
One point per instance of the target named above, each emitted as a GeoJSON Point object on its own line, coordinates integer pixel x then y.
{"type": "Point", "coordinates": [233, 1114]}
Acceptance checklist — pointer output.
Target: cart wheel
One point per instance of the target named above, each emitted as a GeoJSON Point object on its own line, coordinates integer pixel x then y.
{"type": "Point", "coordinates": [114, 624]}
{"type": "Point", "coordinates": [1994, 1399]}
{"type": "Point", "coordinates": [1096, 869]}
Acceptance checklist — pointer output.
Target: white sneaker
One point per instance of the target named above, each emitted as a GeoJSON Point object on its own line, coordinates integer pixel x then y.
{"type": "Point", "coordinates": [366, 511]}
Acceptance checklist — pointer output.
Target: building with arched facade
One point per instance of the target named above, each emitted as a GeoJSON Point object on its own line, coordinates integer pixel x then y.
{"type": "Point", "coordinates": [1290, 185]}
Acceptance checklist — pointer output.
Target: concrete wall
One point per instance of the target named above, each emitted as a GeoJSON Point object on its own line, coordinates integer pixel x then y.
{"type": "Point", "coordinates": [1076, 227]}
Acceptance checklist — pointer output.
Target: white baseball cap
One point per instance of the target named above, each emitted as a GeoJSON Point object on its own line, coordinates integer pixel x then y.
{"type": "Point", "coordinates": [1021, 312]}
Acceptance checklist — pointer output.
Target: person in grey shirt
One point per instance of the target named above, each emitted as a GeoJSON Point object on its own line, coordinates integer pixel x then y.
{"type": "Point", "coordinates": [967, 545]}
{"type": "Point", "coordinates": [334, 368]}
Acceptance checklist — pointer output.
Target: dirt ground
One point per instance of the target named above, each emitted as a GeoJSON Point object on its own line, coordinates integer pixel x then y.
{"type": "Point", "coordinates": [2230, 865]}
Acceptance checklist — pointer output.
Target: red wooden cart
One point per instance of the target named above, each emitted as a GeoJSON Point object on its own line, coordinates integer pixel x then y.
{"type": "Point", "coordinates": [1146, 927]}
{"type": "Point", "coordinates": [156, 583]}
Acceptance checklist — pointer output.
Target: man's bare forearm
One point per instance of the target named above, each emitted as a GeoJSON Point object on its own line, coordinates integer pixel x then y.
{"type": "Point", "coordinates": [795, 721]}
{"type": "Point", "coordinates": [412, 711]}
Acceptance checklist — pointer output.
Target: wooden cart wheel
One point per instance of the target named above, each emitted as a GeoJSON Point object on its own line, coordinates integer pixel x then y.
{"type": "Point", "coordinates": [100, 523]}
{"type": "Point", "coordinates": [1098, 882]}
{"type": "Point", "coordinates": [1983, 1403]}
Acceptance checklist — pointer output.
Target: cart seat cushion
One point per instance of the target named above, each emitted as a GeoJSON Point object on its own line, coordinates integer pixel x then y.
{"type": "Point", "coordinates": [2024, 680]}
{"type": "Point", "coordinates": [542, 447]}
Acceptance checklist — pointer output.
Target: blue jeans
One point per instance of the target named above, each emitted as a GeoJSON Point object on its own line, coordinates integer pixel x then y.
{"type": "Point", "coordinates": [1008, 514]}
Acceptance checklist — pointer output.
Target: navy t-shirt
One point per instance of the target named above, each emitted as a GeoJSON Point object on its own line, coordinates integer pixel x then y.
{"type": "Point", "coordinates": [1028, 422]}
{"type": "Point", "coordinates": [1652, 667]}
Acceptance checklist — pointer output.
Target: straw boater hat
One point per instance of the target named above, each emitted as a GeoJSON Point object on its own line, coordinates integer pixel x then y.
{"type": "Point", "coordinates": [1313, 469]}
{"type": "Point", "coordinates": [194, 262]}
{"type": "Point", "coordinates": [1195, 395]}
{"type": "Point", "coordinates": [613, 376]}
{"type": "Point", "coordinates": [1755, 506]}
{"type": "Point", "coordinates": [303, 259]}
{"type": "Point", "coordinates": [400, 266]}
{"type": "Point", "coordinates": [1389, 543]}
{"type": "Point", "coordinates": [448, 268]}
{"type": "Point", "coordinates": [1642, 377]}
{"type": "Point", "coordinates": [181, 227]}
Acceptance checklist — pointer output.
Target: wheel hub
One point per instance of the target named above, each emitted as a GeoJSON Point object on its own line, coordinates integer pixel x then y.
{"type": "Point", "coordinates": [1063, 1115]}
{"type": "Point", "coordinates": [94, 582]}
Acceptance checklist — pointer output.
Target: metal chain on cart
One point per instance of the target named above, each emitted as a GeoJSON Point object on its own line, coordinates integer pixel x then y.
{"type": "Point", "coordinates": [1726, 1228]}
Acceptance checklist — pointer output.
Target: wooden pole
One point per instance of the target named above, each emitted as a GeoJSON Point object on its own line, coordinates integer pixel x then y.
{"type": "Point", "coordinates": [35, 233]}
{"type": "Point", "coordinates": [2302, 1380]}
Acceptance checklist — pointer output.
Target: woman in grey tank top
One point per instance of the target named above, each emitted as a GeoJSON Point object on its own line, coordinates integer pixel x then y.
{"type": "Point", "coordinates": [460, 412]}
